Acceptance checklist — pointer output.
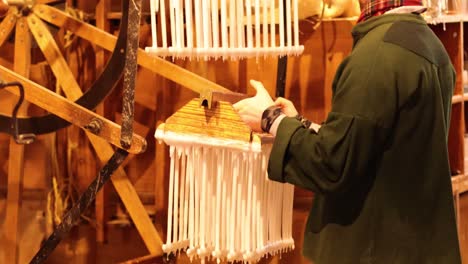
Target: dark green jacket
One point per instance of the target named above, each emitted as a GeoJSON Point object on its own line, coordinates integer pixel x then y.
{"type": "Point", "coordinates": [379, 164]}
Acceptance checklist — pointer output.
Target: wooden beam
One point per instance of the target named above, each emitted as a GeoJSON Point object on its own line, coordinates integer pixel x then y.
{"type": "Point", "coordinates": [70, 111]}
{"type": "Point", "coordinates": [7, 25]}
{"type": "Point", "coordinates": [54, 57]}
{"type": "Point", "coordinates": [22, 64]}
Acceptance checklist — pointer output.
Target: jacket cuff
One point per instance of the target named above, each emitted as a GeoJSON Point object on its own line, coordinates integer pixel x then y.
{"type": "Point", "coordinates": [286, 129]}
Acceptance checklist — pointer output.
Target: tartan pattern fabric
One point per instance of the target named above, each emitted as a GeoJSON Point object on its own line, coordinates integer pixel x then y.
{"type": "Point", "coordinates": [378, 7]}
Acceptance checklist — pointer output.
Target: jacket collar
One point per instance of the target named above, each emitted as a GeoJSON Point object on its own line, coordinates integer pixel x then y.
{"type": "Point", "coordinates": [362, 28]}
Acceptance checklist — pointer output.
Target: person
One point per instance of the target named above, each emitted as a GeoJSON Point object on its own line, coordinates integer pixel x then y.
{"type": "Point", "coordinates": [379, 164]}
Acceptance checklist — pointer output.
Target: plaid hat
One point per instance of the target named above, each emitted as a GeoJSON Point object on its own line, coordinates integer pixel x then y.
{"type": "Point", "coordinates": [378, 7]}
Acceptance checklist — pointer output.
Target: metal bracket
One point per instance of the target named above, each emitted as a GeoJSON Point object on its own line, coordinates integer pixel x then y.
{"type": "Point", "coordinates": [208, 97]}
{"type": "Point", "coordinates": [94, 126]}
{"type": "Point", "coordinates": [26, 138]}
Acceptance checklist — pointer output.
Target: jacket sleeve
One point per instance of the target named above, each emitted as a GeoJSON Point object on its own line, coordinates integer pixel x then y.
{"type": "Point", "coordinates": [327, 161]}
{"type": "Point", "coordinates": [352, 138]}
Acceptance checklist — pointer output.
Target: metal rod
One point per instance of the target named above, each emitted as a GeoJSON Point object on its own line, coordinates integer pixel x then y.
{"type": "Point", "coordinates": [130, 71]}
{"type": "Point", "coordinates": [19, 138]}
{"type": "Point", "coordinates": [74, 214]}
{"type": "Point", "coordinates": [282, 62]}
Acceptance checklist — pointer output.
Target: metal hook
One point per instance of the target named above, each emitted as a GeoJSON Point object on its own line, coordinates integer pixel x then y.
{"type": "Point", "coordinates": [19, 138]}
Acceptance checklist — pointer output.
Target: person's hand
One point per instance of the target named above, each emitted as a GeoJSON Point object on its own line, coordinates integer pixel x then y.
{"type": "Point", "coordinates": [287, 107]}
{"type": "Point", "coordinates": [251, 109]}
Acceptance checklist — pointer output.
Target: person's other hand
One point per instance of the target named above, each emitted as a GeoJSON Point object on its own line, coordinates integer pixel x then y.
{"type": "Point", "coordinates": [287, 107]}
{"type": "Point", "coordinates": [251, 109]}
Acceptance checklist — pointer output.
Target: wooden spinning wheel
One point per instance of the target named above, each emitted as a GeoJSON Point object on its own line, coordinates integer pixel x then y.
{"type": "Point", "coordinates": [29, 21]}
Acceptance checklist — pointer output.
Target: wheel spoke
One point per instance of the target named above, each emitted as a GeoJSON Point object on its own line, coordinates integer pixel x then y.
{"type": "Point", "coordinates": [22, 65]}
{"type": "Point", "coordinates": [54, 57]}
{"type": "Point", "coordinates": [7, 25]}
{"type": "Point", "coordinates": [22, 48]}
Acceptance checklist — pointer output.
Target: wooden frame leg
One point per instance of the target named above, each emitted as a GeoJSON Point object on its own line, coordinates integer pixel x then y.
{"type": "Point", "coordinates": [13, 207]}
{"type": "Point", "coordinates": [22, 66]}
{"type": "Point", "coordinates": [102, 214]}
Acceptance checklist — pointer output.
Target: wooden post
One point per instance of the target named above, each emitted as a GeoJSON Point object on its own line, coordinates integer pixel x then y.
{"type": "Point", "coordinates": [102, 8]}
{"type": "Point", "coordinates": [22, 65]}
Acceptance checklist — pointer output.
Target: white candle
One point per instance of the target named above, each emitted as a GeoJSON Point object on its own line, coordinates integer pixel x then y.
{"type": "Point", "coordinates": [188, 23]}
{"type": "Point", "coordinates": [265, 23]}
{"type": "Point", "coordinates": [172, 22]}
{"type": "Point", "coordinates": [219, 195]}
{"type": "Point", "coordinates": [171, 195]}
{"type": "Point", "coordinates": [182, 196]}
{"type": "Point", "coordinates": [197, 177]}
{"type": "Point", "coordinates": [203, 202]}
{"type": "Point", "coordinates": [270, 214]}
{"type": "Point", "coordinates": [254, 219]}
{"type": "Point", "coordinates": [224, 33]}
{"type": "Point", "coordinates": [241, 216]}
{"type": "Point", "coordinates": [290, 213]}
{"type": "Point", "coordinates": [180, 24]}
{"type": "Point", "coordinates": [296, 23]}
{"type": "Point", "coordinates": [258, 203]}
{"type": "Point", "coordinates": [176, 194]}
{"type": "Point", "coordinates": [281, 22]}
{"type": "Point", "coordinates": [211, 177]}
{"type": "Point", "coordinates": [240, 25]}
{"type": "Point", "coordinates": [192, 207]}
{"type": "Point", "coordinates": [206, 24]}
{"type": "Point", "coordinates": [227, 187]}
{"type": "Point", "coordinates": [198, 24]}
{"type": "Point", "coordinates": [232, 24]}
{"type": "Point", "coordinates": [248, 222]}
{"type": "Point", "coordinates": [279, 213]}
{"type": "Point", "coordinates": [225, 216]}
{"type": "Point", "coordinates": [153, 7]}
{"type": "Point", "coordinates": [187, 193]}
{"type": "Point", "coordinates": [232, 245]}
{"type": "Point", "coordinates": [272, 23]}
{"type": "Point", "coordinates": [285, 216]}
{"type": "Point", "coordinates": [266, 202]}
{"type": "Point", "coordinates": [257, 24]}
{"type": "Point", "coordinates": [288, 24]}
{"type": "Point", "coordinates": [248, 6]}
{"type": "Point", "coordinates": [214, 22]}
{"type": "Point", "coordinates": [162, 11]}
{"type": "Point", "coordinates": [241, 186]}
